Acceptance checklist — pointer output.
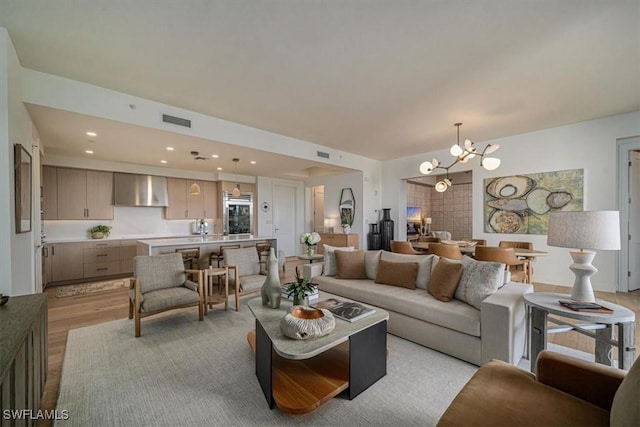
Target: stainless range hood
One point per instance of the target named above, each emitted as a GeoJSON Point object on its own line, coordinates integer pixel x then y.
{"type": "Point", "coordinates": [139, 190]}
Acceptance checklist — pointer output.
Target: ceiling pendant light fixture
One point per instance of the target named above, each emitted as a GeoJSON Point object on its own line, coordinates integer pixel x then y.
{"type": "Point", "coordinates": [462, 154]}
{"type": "Point", "coordinates": [236, 190]}
{"type": "Point", "coordinates": [194, 190]}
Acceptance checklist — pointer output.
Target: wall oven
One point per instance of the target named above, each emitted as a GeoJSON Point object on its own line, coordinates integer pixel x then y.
{"type": "Point", "coordinates": [238, 213]}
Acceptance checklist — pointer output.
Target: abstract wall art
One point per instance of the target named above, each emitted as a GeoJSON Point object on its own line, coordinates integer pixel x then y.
{"type": "Point", "coordinates": [520, 204]}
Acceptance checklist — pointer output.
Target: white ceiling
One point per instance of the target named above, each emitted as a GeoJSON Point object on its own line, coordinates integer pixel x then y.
{"type": "Point", "coordinates": [379, 78]}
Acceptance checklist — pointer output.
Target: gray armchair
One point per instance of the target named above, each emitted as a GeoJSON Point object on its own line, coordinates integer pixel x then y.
{"type": "Point", "coordinates": [160, 284]}
{"type": "Point", "coordinates": [246, 272]}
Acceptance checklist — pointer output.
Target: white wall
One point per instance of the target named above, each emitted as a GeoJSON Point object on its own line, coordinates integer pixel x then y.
{"type": "Point", "coordinates": [17, 259]}
{"type": "Point", "coordinates": [588, 145]}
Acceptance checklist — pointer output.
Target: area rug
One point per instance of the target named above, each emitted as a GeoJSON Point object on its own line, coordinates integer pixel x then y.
{"type": "Point", "coordinates": [182, 372]}
{"type": "Point", "coordinates": [89, 288]}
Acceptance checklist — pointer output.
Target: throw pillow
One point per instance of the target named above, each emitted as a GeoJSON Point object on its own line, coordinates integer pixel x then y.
{"type": "Point", "coordinates": [350, 265]}
{"type": "Point", "coordinates": [371, 260]}
{"type": "Point", "coordinates": [424, 263]}
{"type": "Point", "coordinates": [330, 258]}
{"type": "Point", "coordinates": [444, 279]}
{"type": "Point", "coordinates": [397, 273]}
{"type": "Point", "coordinates": [479, 280]}
{"type": "Point", "coordinates": [624, 408]}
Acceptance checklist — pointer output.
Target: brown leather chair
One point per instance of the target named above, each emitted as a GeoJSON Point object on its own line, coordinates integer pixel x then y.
{"type": "Point", "coordinates": [445, 251]}
{"type": "Point", "coordinates": [429, 239]}
{"type": "Point", "coordinates": [403, 247]}
{"type": "Point", "coordinates": [509, 258]}
{"type": "Point", "coordinates": [519, 245]}
{"type": "Point", "coordinates": [566, 392]}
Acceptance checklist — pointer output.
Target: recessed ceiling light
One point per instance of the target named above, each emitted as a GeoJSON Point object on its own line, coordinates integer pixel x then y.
{"type": "Point", "coordinates": [163, 161]}
{"type": "Point", "coordinates": [219, 169]}
{"type": "Point", "coordinates": [169, 148]}
{"type": "Point", "coordinates": [253, 162]}
{"type": "Point", "coordinates": [88, 151]}
{"type": "Point", "coordinates": [90, 133]}
{"type": "Point", "coordinates": [215, 156]}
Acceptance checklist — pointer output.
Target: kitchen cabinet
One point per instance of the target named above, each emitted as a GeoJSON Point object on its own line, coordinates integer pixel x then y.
{"type": "Point", "coordinates": [100, 258]}
{"type": "Point", "coordinates": [84, 194]}
{"type": "Point", "coordinates": [49, 192]}
{"type": "Point", "coordinates": [127, 253]}
{"type": "Point", "coordinates": [64, 261]}
{"type": "Point", "coordinates": [337, 239]}
{"type": "Point", "coordinates": [183, 205]}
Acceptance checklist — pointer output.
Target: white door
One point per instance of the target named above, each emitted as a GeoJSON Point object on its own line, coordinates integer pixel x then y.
{"type": "Point", "coordinates": [284, 218]}
{"type": "Point", "coordinates": [318, 209]}
{"type": "Point", "coordinates": [634, 221]}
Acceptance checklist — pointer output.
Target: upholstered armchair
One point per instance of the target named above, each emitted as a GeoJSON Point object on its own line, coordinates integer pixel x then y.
{"type": "Point", "coordinates": [246, 272]}
{"type": "Point", "coordinates": [565, 392]}
{"type": "Point", "coordinates": [160, 284]}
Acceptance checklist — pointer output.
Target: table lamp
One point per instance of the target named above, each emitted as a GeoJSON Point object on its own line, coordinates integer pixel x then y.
{"type": "Point", "coordinates": [584, 230]}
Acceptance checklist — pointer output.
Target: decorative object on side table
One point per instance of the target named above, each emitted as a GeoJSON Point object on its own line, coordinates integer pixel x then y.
{"type": "Point", "coordinates": [373, 238]}
{"type": "Point", "coordinates": [99, 231]}
{"type": "Point", "coordinates": [300, 289]}
{"type": "Point", "coordinates": [301, 323]}
{"type": "Point", "coordinates": [584, 229]}
{"type": "Point", "coordinates": [386, 229]}
{"type": "Point", "coordinates": [310, 240]}
{"type": "Point", "coordinates": [271, 290]}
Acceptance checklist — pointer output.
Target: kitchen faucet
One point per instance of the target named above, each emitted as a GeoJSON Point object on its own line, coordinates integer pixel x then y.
{"type": "Point", "coordinates": [202, 228]}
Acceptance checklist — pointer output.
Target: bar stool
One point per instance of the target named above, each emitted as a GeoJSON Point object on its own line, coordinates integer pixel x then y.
{"type": "Point", "coordinates": [263, 249]}
{"type": "Point", "coordinates": [211, 276]}
{"type": "Point", "coordinates": [219, 255]}
{"type": "Point", "coordinates": [190, 257]}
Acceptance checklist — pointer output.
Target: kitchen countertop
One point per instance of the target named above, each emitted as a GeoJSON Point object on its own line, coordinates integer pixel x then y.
{"type": "Point", "coordinates": [197, 239]}
{"type": "Point", "coordinates": [120, 237]}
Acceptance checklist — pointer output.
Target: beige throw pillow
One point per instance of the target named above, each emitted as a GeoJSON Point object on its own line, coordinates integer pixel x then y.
{"type": "Point", "coordinates": [371, 260]}
{"type": "Point", "coordinates": [330, 258]}
{"type": "Point", "coordinates": [350, 265]}
{"type": "Point", "coordinates": [444, 279]}
{"type": "Point", "coordinates": [397, 274]}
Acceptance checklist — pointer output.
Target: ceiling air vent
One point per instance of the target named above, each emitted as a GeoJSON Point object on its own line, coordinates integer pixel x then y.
{"type": "Point", "coordinates": [176, 120]}
{"type": "Point", "coordinates": [322, 154]}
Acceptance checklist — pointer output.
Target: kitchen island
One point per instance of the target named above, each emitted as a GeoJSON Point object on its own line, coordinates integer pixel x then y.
{"type": "Point", "coordinates": [207, 245]}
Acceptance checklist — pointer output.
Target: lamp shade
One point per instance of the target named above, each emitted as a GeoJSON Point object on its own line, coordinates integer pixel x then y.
{"type": "Point", "coordinates": [584, 230]}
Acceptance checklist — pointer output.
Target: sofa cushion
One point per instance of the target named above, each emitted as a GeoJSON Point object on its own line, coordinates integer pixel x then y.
{"type": "Point", "coordinates": [424, 265]}
{"type": "Point", "coordinates": [397, 273]}
{"type": "Point", "coordinates": [159, 271]}
{"type": "Point", "coordinates": [245, 258]}
{"type": "Point", "coordinates": [330, 268]}
{"type": "Point", "coordinates": [371, 260]}
{"type": "Point", "coordinates": [168, 297]}
{"type": "Point", "coordinates": [416, 303]}
{"type": "Point", "coordinates": [479, 280]}
{"type": "Point", "coordinates": [350, 265]}
{"type": "Point", "coordinates": [625, 410]}
{"type": "Point", "coordinates": [444, 279]}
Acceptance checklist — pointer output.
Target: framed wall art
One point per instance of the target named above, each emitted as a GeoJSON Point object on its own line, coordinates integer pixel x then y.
{"type": "Point", "coordinates": [520, 204]}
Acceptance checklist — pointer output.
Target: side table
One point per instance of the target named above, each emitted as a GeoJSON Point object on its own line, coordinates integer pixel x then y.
{"type": "Point", "coordinates": [311, 258]}
{"type": "Point", "coordinates": [540, 304]}
{"type": "Point", "coordinates": [209, 275]}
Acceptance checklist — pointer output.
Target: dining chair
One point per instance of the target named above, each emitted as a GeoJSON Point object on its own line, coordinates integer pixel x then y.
{"type": "Point", "coordinates": [159, 284]}
{"type": "Point", "coordinates": [401, 247]}
{"type": "Point", "coordinates": [519, 268]}
{"type": "Point", "coordinates": [429, 239]}
{"type": "Point", "coordinates": [478, 242]}
{"type": "Point", "coordinates": [519, 245]}
{"type": "Point", "coordinates": [445, 251]}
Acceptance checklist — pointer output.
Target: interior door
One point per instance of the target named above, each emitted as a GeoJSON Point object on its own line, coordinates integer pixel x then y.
{"type": "Point", "coordinates": [284, 218]}
{"type": "Point", "coordinates": [318, 209]}
{"type": "Point", "coordinates": [634, 221]}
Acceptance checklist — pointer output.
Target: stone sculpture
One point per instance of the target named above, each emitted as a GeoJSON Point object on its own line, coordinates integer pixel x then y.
{"type": "Point", "coordinates": [271, 292]}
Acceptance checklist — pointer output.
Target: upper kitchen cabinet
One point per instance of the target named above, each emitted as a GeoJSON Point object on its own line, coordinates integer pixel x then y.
{"type": "Point", "coordinates": [49, 193]}
{"type": "Point", "coordinates": [82, 194]}
{"type": "Point", "coordinates": [183, 205]}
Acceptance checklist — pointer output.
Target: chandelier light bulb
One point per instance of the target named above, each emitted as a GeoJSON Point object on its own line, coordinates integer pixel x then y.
{"type": "Point", "coordinates": [441, 186]}
{"type": "Point", "coordinates": [490, 163]}
{"type": "Point", "coordinates": [426, 168]}
{"type": "Point", "coordinates": [456, 150]}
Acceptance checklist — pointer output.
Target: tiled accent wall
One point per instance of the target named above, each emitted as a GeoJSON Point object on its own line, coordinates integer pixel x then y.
{"type": "Point", "coordinates": [449, 211]}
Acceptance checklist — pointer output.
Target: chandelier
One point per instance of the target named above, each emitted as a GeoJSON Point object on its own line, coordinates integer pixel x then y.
{"type": "Point", "coordinates": [462, 155]}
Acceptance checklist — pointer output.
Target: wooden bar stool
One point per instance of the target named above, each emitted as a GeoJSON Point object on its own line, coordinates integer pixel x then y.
{"type": "Point", "coordinates": [214, 276]}
{"type": "Point", "coordinates": [218, 255]}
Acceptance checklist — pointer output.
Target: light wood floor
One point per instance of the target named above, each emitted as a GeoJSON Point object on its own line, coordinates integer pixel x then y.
{"type": "Point", "coordinates": [85, 310]}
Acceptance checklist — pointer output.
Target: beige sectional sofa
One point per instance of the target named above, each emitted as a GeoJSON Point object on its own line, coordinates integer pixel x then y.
{"type": "Point", "coordinates": [495, 331]}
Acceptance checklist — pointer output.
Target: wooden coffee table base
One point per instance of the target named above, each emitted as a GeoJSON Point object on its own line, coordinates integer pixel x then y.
{"type": "Point", "coordinates": [301, 386]}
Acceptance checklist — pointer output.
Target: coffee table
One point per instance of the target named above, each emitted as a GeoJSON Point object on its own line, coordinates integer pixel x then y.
{"type": "Point", "coordinates": [300, 375]}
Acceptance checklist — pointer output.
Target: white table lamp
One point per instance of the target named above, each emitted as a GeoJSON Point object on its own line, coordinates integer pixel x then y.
{"type": "Point", "coordinates": [584, 230]}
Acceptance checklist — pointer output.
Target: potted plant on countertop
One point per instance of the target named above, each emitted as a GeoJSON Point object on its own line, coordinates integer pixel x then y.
{"type": "Point", "coordinates": [99, 231]}
{"type": "Point", "coordinates": [300, 289]}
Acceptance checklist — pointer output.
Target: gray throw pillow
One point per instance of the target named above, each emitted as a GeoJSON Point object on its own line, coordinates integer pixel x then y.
{"type": "Point", "coordinates": [479, 280]}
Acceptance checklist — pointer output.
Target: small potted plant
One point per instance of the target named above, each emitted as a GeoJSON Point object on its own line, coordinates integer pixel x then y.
{"type": "Point", "coordinates": [99, 231]}
{"type": "Point", "coordinates": [300, 289]}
